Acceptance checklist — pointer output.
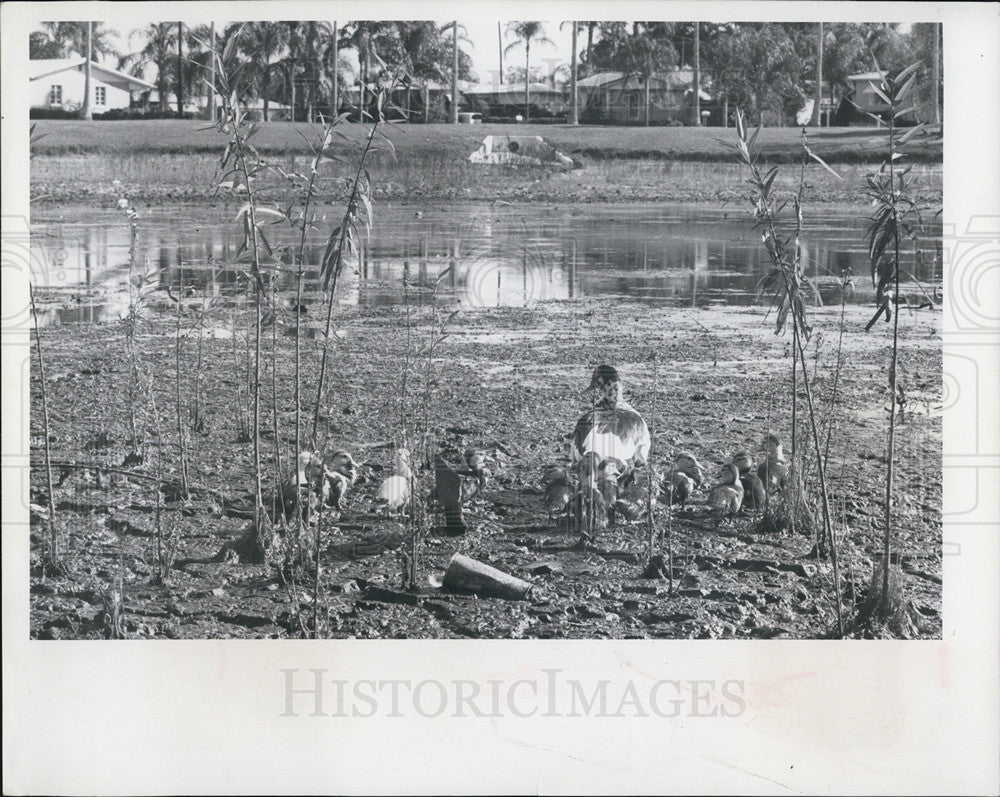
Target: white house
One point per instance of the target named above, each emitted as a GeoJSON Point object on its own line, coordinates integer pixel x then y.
{"type": "Point", "coordinates": [59, 83]}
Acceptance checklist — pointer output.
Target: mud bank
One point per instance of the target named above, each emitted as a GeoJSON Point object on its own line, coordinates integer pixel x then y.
{"type": "Point", "coordinates": [511, 380]}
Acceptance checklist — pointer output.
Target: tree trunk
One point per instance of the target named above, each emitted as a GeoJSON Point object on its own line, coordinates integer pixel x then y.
{"type": "Point", "coordinates": [336, 75]}
{"type": "Point", "coordinates": [211, 91]}
{"type": "Point", "coordinates": [180, 69]}
{"type": "Point", "coordinates": [697, 74]}
{"type": "Point", "coordinates": [574, 108]}
{"type": "Point", "coordinates": [645, 81]}
{"type": "Point", "coordinates": [725, 110]}
{"type": "Point", "coordinates": [936, 77]}
{"type": "Point", "coordinates": [266, 86]}
{"type": "Point", "coordinates": [527, 111]}
{"type": "Point", "coordinates": [85, 112]}
{"type": "Point", "coordinates": [817, 116]}
{"type": "Point", "coordinates": [500, 44]}
{"type": "Point", "coordinates": [454, 73]}
{"type": "Point", "coordinates": [427, 103]}
{"type": "Point", "coordinates": [468, 575]}
{"type": "Point", "coordinates": [292, 57]}
{"type": "Point", "coordinates": [590, 47]}
{"type": "Point", "coordinates": [364, 79]}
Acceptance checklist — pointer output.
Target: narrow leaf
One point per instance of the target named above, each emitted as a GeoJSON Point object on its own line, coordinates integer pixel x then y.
{"type": "Point", "coordinates": [822, 162]}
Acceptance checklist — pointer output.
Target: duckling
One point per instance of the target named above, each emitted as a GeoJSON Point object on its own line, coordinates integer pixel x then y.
{"type": "Point", "coordinates": [687, 464]}
{"type": "Point", "coordinates": [726, 497]}
{"type": "Point", "coordinates": [753, 487]}
{"type": "Point", "coordinates": [612, 429]}
{"type": "Point", "coordinates": [394, 494]}
{"type": "Point", "coordinates": [774, 470]}
{"type": "Point", "coordinates": [676, 488]}
{"type": "Point", "coordinates": [558, 490]}
{"type": "Point", "coordinates": [475, 460]}
{"type": "Point", "coordinates": [305, 485]}
{"type": "Point", "coordinates": [591, 498]}
{"type": "Point", "coordinates": [339, 477]}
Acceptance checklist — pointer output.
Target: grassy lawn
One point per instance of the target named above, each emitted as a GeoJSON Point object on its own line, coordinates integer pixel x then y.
{"type": "Point", "coordinates": [418, 142]}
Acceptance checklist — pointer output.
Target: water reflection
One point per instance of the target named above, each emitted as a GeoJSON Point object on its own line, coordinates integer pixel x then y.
{"type": "Point", "coordinates": [478, 255]}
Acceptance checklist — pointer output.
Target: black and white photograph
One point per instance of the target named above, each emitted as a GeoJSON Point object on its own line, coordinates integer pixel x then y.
{"type": "Point", "coordinates": [506, 338]}
{"type": "Point", "coordinates": [342, 332]}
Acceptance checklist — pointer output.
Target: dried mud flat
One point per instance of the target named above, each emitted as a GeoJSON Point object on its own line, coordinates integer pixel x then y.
{"type": "Point", "coordinates": [512, 380]}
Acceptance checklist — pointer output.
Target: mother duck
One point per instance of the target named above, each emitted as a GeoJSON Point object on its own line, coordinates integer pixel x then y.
{"type": "Point", "coordinates": [612, 430]}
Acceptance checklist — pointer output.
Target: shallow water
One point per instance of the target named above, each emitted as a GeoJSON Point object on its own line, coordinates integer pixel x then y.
{"type": "Point", "coordinates": [476, 254]}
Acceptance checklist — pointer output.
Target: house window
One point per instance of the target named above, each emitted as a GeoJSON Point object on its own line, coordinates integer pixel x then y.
{"type": "Point", "coordinates": [55, 95]}
{"type": "Point", "coordinates": [633, 105]}
{"type": "Point", "coordinates": [100, 95]}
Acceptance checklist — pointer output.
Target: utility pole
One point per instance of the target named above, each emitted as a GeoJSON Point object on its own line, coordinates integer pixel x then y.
{"type": "Point", "coordinates": [85, 112]}
{"type": "Point", "coordinates": [574, 110]}
{"type": "Point", "coordinates": [697, 74]}
{"type": "Point", "coordinates": [454, 72]}
{"type": "Point", "coordinates": [818, 89]}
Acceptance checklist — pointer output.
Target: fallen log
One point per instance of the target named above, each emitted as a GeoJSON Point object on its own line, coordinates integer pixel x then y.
{"type": "Point", "coordinates": [465, 574]}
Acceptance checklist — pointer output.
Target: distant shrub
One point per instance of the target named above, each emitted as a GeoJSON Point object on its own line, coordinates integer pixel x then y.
{"type": "Point", "coordinates": [114, 114]}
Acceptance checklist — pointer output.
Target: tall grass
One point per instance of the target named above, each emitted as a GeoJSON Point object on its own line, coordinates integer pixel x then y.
{"type": "Point", "coordinates": [896, 216]}
{"type": "Point", "coordinates": [788, 274]}
{"type": "Point", "coordinates": [53, 558]}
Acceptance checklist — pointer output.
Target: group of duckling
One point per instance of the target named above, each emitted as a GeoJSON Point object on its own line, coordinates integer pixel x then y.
{"type": "Point", "coordinates": [327, 481]}
{"type": "Point", "coordinates": [610, 445]}
{"type": "Point", "coordinates": [609, 449]}
{"type": "Point", "coordinates": [318, 482]}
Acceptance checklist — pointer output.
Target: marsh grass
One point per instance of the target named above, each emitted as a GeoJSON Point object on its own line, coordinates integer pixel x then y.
{"type": "Point", "coordinates": [53, 558]}
{"type": "Point", "coordinates": [792, 287]}
{"type": "Point", "coordinates": [896, 221]}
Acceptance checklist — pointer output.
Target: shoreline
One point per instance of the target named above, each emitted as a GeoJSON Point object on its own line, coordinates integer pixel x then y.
{"type": "Point", "coordinates": [164, 178]}
{"type": "Point", "coordinates": [174, 160]}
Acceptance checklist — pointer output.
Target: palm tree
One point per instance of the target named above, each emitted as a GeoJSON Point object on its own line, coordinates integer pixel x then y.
{"type": "Point", "coordinates": [574, 108]}
{"type": "Point", "coordinates": [85, 112]}
{"type": "Point", "coordinates": [646, 51]}
{"type": "Point", "coordinates": [312, 54]}
{"type": "Point", "coordinates": [180, 69]}
{"type": "Point", "coordinates": [422, 57]}
{"type": "Point", "coordinates": [158, 51]}
{"type": "Point", "coordinates": [591, 27]}
{"type": "Point", "coordinates": [361, 39]}
{"type": "Point", "coordinates": [525, 33]}
{"type": "Point", "coordinates": [260, 42]}
{"type": "Point", "coordinates": [198, 67]}
{"type": "Point", "coordinates": [64, 39]}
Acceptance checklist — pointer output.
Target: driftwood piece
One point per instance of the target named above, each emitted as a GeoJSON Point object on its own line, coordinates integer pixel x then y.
{"type": "Point", "coordinates": [465, 574]}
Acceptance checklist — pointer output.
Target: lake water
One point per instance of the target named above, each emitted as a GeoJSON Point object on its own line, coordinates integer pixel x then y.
{"type": "Point", "coordinates": [479, 255]}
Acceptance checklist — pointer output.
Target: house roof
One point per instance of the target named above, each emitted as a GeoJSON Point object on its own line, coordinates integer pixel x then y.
{"type": "Point", "coordinates": [600, 79]}
{"type": "Point", "coordinates": [678, 78]}
{"type": "Point", "coordinates": [43, 67]}
{"type": "Point", "coordinates": [512, 88]}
